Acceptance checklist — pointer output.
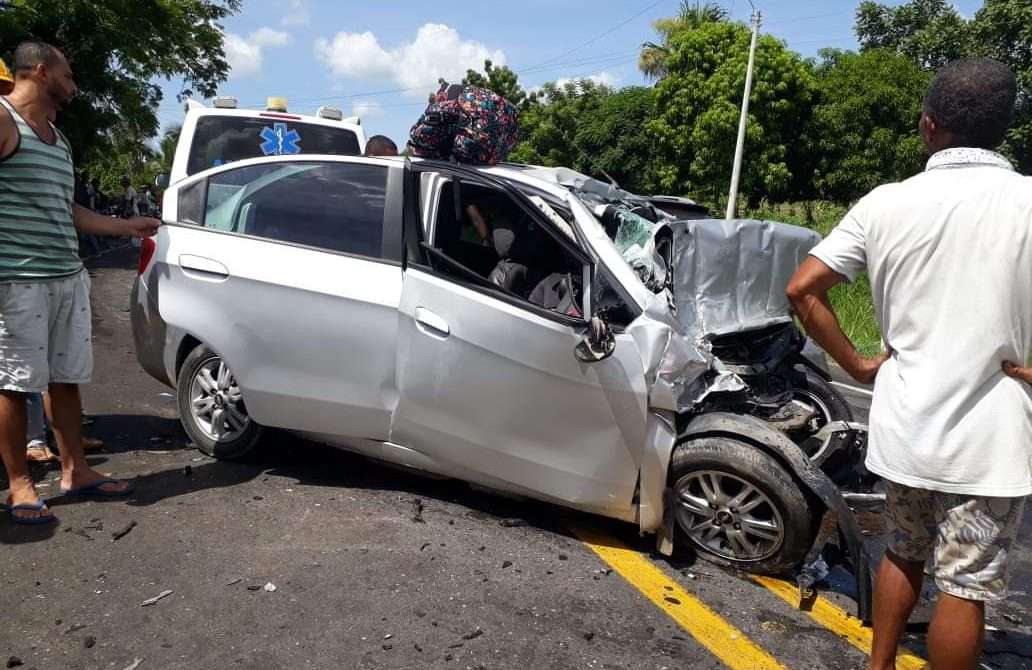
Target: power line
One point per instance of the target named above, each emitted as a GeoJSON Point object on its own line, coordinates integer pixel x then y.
{"type": "Point", "coordinates": [601, 35]}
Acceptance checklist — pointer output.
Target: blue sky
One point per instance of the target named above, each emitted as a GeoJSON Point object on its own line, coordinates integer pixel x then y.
{"type": "Point", "coordinates": [379, 59]}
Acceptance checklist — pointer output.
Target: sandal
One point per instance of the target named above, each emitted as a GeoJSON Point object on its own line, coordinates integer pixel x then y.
{"type": "Point", "coordinates": [40, 453]}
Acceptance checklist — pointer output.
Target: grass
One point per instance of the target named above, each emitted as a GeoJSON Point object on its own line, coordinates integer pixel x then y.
{"type": "Point", "coordinates": [852, 302]}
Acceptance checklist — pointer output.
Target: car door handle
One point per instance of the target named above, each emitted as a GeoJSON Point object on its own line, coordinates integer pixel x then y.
{"type": "Point", "coordinates": [431, 324]}
{"type": "Point", "coordinates": [206, 268]}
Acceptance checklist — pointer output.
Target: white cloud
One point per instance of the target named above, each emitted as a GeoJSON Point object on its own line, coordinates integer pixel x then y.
{"type": "Point", "coordinates": [244, 55]}
{"type": "Point", "coordinates": [299, 15]}
{"type": "Point", "coordinates": [601, 78]}
{"type": "Point", "coordinates": [367, 109]}
{"type": "Point", "coordinates": [437, 51]}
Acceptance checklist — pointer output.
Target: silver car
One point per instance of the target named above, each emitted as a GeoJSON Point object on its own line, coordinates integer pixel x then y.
{"type": "Point", "coordinates": [477, 323]}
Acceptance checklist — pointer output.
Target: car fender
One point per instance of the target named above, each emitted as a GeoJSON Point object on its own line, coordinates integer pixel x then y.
{"type": "Point", "coordinates": [755, 431]}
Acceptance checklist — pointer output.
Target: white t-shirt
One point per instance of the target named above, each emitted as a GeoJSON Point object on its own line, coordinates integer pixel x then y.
{"type": "Point", "coordinates": [949, 256]}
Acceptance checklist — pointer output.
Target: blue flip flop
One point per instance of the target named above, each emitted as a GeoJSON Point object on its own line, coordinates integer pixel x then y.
{"type": "Point", "coordinates": [94, 490]}
{"type": "Point", "coordinates": [31, 507]}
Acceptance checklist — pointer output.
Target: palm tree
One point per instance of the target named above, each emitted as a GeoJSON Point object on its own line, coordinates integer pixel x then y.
{"type": "Point", "coordinates": [653, 58]}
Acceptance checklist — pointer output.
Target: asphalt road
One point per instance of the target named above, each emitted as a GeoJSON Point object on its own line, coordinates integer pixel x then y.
{"type": "Point", "coordinates": [361, 580]}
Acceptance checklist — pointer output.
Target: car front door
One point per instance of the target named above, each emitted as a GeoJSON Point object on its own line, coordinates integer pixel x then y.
{"type": "Point", "coordinates": [490, 388]}
{"type": "Point", "coordinates": [290, 270]}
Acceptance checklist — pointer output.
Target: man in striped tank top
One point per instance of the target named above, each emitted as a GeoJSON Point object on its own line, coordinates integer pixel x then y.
{"type": "Point", "coordinates": [45, 325]}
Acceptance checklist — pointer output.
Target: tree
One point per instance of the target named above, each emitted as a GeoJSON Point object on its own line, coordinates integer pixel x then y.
{"type": "Point", "coordinates": [864, 130]}
{"type": "Point", "coordinates": [929, 32]}
{"type": "Point", "coordinates": [613, 141]}
{"type": "Point", "coordinates": [117, 50]}
{"type": "Point", "coordinates": [697, 112]}
{"type": "Point", "coordinates": [502, 81]}
{"type": "Point", "coordinates": [932, 33]}
{"type": "Point", "coordinates": [653, 57]}
{"type": "Point", "coordinates": [548, 130]}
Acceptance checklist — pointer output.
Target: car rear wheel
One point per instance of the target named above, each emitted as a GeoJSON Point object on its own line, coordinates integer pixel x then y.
{"type": "Point", "coordinates": [737, 506]}
{"type": "Point", "coordinates": [212, 409]}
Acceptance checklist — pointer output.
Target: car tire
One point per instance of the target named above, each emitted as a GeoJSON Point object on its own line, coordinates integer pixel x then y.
{"type": "Point", "coordinates": [212, 409]}
{"type": "Point", "coordinates": [779, 524]}
{"type": "Point", "coordinates": [811, 387]}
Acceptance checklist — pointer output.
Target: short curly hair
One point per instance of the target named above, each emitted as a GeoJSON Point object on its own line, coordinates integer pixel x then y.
{"type": "Point", "coordinates": [973, 98]}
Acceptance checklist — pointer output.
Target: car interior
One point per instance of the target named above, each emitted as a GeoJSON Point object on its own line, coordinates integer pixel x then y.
{"type": "Point", "coordinates": [520, 257]}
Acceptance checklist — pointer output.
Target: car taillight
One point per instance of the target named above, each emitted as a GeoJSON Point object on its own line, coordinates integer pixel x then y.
{"type": "Point", "coordinates": [147, 248]}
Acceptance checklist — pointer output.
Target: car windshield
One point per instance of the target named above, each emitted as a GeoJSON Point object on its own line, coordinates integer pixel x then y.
{"type": "Point", "coordinates": [219, 140]}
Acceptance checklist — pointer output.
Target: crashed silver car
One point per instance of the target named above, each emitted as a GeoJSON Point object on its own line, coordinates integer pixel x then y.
{"type": "Point", "coordinates": [356, 301]}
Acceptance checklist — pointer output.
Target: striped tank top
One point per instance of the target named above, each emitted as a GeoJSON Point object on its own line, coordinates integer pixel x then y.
{"type": "Point", "coordinates": [37, 183]}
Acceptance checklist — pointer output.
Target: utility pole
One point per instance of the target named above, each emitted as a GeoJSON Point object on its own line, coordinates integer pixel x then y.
{"type": "Point", "coordinates": [736, 168]}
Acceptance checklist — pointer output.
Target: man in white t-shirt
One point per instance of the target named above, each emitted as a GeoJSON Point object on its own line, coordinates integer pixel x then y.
{"type": "Point", "coordinates": [949, 256]}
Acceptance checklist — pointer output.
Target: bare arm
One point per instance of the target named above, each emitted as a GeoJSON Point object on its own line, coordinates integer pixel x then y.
{"type": "Point", "coordinates": [92, 223]}
{"type": "Point", "coordinates": [808, 293]}
{"type": "Point", "coordinates": [8, 134]}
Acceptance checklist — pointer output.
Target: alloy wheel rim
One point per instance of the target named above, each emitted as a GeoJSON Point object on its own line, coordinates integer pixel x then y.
{"type": "Point", "coordinates": [216, 404]}
{"type": "Point", "coordinates": [727, 516]}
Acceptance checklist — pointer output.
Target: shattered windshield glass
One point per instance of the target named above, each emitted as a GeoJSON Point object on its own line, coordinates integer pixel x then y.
{"type": "Point", "coordinates": [635, 240]}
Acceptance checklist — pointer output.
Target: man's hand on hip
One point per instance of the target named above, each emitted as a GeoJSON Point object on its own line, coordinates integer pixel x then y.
{"type": "Point", "coordinates": [1018, 372]}
{"type": "Point", "coordinates": [142, 226]}
{"type": "Point", "coordinates": [866, 369]}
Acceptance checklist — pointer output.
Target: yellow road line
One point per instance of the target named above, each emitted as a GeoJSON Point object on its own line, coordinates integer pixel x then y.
{"type": "Point", "coordinates": [838, 621]}
{"type": "Point", "coordinates": [722, 639]}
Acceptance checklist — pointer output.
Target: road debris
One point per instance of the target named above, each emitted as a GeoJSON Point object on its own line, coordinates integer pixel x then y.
{"type": "Point", "coordinates": [234, 581]}
{"type": "Point", "coordinates": [589, 636]}
{"type": "Point", "coordinates": [425, 545]}
{"type": "Point", "coordinates": [89, 642]}
{"type": "Point", "coordinates": [269, 587]}
{"type": "Point", "coordinates": [78, 531]}
{"type": "Point", "coordinates": [135, 664]}
{"type": "Point", "coordinates": [150, 601]}
{"type": "Point", "coordinates": [774, 627]}
{"type": "Point", "coordinates": [119, 534]}
{"type": "Point", "coordinates": [512, 523]}
{"type": "Point", "coordinates": [75, 627]}
{"type": "Point", "coordinates": [1010, 617]}
{"type": "Point", "coordinates": [417, 511]}
{"type": "Point", "coordinates": [506, 564]}
{"type": "Point", "coordinates": [14, 662]}
{"type": "Point", "coordinates": [474, 635]}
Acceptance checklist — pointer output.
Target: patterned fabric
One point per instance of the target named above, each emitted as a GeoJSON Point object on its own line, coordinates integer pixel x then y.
{"type": "Point", "coordinates": [966, 157]}
{"type": "Point", "coordinates": [469, 124]}
{"type": "Point", "coordinates": [969, 537]}
{"type": "Point", "coordinates": [37, 235]}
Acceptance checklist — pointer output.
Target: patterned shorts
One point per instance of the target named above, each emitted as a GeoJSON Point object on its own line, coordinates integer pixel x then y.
{"type": "Point", "coordinates": [969, 537]}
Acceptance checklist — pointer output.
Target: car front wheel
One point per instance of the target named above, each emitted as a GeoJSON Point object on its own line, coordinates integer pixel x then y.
{"type": "Point", "coordinates": [212, 409]}
{"type": "Point", "coordinates": [737, 506]}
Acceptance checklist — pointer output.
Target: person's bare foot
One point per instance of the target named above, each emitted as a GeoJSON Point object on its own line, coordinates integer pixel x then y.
{"type": "Point", "coordinates": [24, 493]}
{"type": "Point", "coordinates": [88, 476]}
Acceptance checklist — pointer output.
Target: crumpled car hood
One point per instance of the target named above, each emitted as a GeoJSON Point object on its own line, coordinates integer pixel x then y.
{"type": "Point", "coordinates": [730, 276]}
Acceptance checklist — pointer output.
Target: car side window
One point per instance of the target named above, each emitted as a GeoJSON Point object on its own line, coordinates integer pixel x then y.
{"type": "Point", "coordinates": [485, 238]}
{"type": "Point", "coordinates": [191, 203]}
{"type": "Point", "coordinates": [331, 206]}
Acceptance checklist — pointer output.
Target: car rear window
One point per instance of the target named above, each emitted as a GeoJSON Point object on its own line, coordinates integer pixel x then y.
{"type": "Point", "coordinates": [219, 140]}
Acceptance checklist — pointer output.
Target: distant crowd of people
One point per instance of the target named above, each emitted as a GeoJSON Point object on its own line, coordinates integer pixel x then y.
{"type": "Point", "coordinates": [126, 203]}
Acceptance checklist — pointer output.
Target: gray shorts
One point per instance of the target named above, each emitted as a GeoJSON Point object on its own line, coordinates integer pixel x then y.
{"type": "Point", "coordinates": [968, 537]}
{"type": "Point", "coordinates": [45, 333]}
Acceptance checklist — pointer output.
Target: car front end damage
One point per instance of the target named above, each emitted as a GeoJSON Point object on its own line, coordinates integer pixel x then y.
{"type": "Point", "coordinates": [725, 360]}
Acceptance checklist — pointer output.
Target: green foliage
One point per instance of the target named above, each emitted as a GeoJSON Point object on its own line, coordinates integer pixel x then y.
{"type": "Point", "coordinates": [548, 130]}
{"type": "Point", "coordinates": [697, 113]}
{"type": "Point", "coordinates": [502, 81]}
{"type": "Point", "coordinates": [931, 33]}
{"type": "Point", "coordinates": [117, 49]}
{"type": "Point", "coordinates": [653, 58]}
{"type": "Point", "coordinates": [864, 128]}
{"type": "Point", "coordinates": [592, 129]}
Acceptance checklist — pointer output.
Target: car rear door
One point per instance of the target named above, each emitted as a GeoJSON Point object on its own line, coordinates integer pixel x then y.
{"type": "Point", "coordinates": [290, 270]}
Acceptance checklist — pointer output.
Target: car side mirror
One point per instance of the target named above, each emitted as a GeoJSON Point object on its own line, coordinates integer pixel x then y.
{"type": "Point", "coordinates": [598, 343]}
{"type": "Point", "coordinates": [161, 181]}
